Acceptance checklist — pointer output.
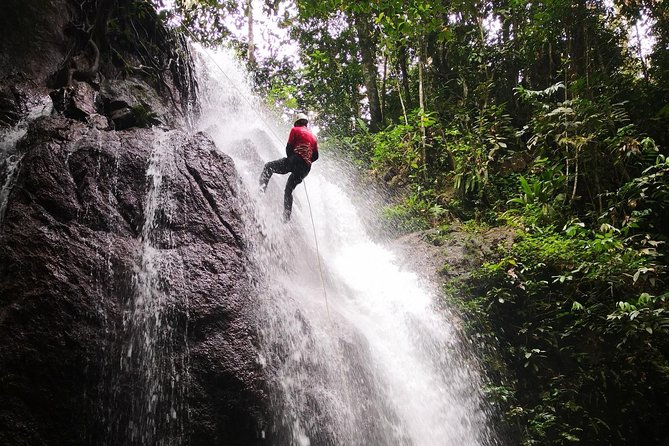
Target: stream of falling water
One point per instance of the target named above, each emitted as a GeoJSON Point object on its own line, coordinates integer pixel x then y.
{"type": "Point", "coordinates": [386, 367]}
{"type": "Point", "coordinates": [156, 415]}
{"type": "Point", "coordinates": [9, 161]}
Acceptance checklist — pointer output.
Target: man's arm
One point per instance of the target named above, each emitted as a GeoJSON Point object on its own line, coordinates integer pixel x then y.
{"type": "Point", "coordinates": [314, 153]}
{"type": "Point", "coordinates": [290, 146]}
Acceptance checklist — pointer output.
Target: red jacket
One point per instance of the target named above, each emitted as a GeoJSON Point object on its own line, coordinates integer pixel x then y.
{"type": "Point", "coordinates": [302, 143]}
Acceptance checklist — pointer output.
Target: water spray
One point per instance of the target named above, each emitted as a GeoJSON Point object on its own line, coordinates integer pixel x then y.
{"type": "Point", "coordinates": [280, 141]}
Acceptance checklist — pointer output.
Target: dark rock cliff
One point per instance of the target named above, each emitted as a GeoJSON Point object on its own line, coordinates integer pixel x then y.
{"type": "Point", "coordinates": [124, 286]}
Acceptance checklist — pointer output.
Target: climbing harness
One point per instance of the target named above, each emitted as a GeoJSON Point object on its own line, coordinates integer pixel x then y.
{"type": "Point", "coordinates": [311, 215]}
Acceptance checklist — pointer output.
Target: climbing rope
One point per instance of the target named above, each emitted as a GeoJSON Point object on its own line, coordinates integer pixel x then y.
{"type": "Point", "coordinates": [267, 125]}
{"type": "Point", "coordinates": [320, 267]}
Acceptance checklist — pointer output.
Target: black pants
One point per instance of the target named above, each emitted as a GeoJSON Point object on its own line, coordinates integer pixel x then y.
{"type": "Point", "coordinates": [298, 169]}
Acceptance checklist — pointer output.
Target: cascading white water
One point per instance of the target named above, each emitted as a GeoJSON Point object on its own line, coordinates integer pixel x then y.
{"type": "Point", "coordinates": [386, 367]}
{"type": "Point", "coordinates": [157, 413]}
{"type": "Point", "coordinates": [9, 166]}
{"type": "Point", "coordinates": [9, 161]}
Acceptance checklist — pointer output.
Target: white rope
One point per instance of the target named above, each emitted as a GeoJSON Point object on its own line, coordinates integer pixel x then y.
{"type": "Point", "coordinates": [318, 254]}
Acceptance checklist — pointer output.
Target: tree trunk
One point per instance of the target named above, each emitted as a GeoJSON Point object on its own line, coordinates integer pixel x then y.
{"type": "Point", "coordinates": [402, 68]}
{"type": "Point", "coordinates": [370, 71]}
{"type": "Point", "coordinates": [103, 13]}
{"type": "Point", "coordinates": [644, 67]}
{"type": "Point", "coordinates": [404, 110]}
{"type": "Point", "coordinates": [421, 102]}
{"type": "Point", "coordinates": [576, 40]}
{"type": "Point", "coordinates": [484, 64]}
{"type": "Point", "coordinates": [383, 86]}
{"type": "Point", "coordinates": [576, 166]}
{"type": "Point", "coordinates": [251, 57]}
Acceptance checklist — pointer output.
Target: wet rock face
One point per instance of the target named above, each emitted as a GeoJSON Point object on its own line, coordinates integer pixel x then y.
{"type": "Point", "coordinates": [124, 289]}
{"type": "Point", "coordinates": [73, 252]}
{"type": "Point", "coordinates": [32, 37]}
{"type": "Point", "coordinates": [11, 105]}
{"type": "Point", "coordinates": [119, 104]}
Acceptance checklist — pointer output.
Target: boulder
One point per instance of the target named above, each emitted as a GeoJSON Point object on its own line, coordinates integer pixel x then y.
{"type": "Point", "coordinates": [125, 292]}
{"type": "Point", "coordinates": [133, 103]}
{"type": "Point", "coordinates": [76, 102]}
{"type": "Point", "coordinates": [124, 284]}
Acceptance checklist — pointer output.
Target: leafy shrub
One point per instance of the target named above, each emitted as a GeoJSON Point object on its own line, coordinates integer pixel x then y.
{"type": "Point", "coordinates": [413, 214]}
{"type": "Point", "coordinates": [576, 312]}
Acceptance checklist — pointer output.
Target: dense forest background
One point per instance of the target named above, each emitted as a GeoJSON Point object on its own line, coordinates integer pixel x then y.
{"type": "Point", "coordinates": [548, 118]}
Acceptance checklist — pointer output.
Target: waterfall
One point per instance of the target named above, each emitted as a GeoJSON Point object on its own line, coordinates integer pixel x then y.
{"type": "Point", "coordinates": [9, 161]}
{"type": "Point", "coordinates": [386, 366]}
{"type": "Point", "coordinates": [154, 331]}
{"type": "Point", "coordinates": [9, 167]}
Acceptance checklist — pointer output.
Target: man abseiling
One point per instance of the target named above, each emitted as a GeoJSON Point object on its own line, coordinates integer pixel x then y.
{"type": "Point", "coordinates": [301, 151]}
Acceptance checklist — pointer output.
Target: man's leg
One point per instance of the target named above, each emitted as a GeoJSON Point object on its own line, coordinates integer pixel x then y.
{"type": "Point", "coordinates": [300, 170]}
{"type": "Point", "coordinates": [281, 166]}
{"type": "Point", "coordinates": [293, 180]}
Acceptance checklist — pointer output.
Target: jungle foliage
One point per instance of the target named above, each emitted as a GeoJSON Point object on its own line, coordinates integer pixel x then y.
{"type": "Point", "coordinates": [552, 118]}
